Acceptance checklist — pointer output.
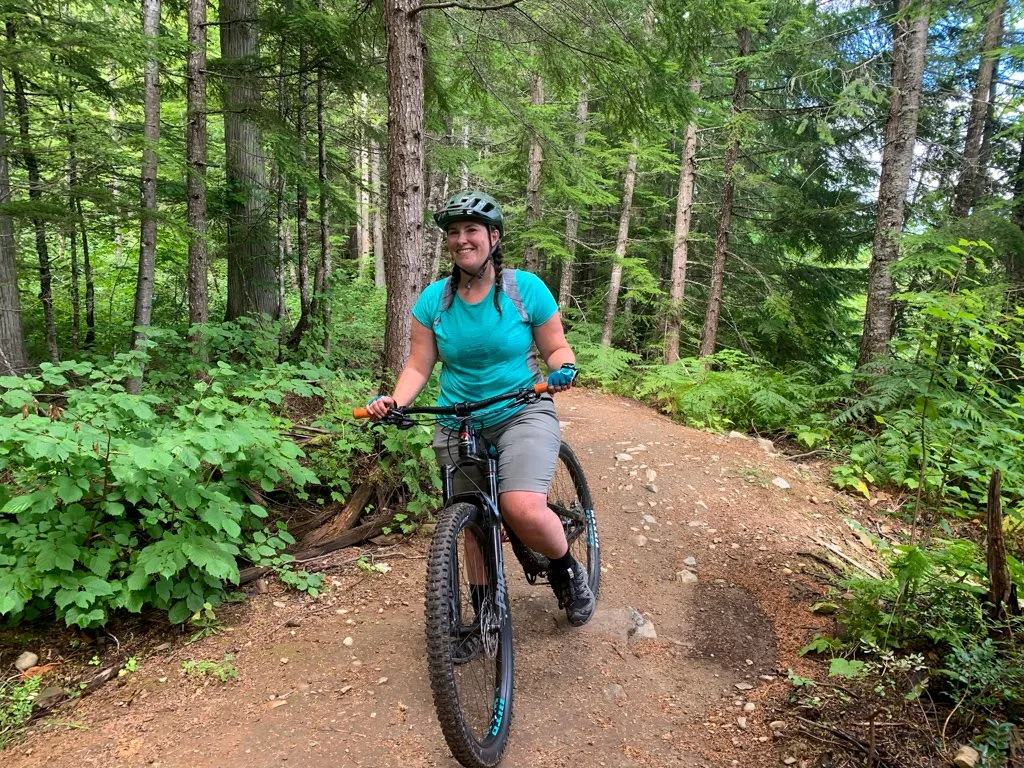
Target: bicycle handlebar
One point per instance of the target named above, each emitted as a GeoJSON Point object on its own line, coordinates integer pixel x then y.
{"type": "Point", "coordinates": [460, 408]}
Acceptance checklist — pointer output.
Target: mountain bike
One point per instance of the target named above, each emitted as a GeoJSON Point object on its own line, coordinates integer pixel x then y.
{"type": "Point", "coordinates": [468, 618]}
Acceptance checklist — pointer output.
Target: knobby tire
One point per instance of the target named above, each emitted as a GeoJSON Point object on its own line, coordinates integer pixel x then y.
{"type": "Point", "coordinates": [569, 497]}
{"type": "Point", "coordinates": [484, 747]}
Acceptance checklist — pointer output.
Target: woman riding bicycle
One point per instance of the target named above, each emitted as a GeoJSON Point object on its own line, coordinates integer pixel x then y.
{"type": "Point", "coordinates": [482, 324]}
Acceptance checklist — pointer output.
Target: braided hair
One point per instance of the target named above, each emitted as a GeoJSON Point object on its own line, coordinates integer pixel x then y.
{"type": "Point", "coordinates": [498, 258]}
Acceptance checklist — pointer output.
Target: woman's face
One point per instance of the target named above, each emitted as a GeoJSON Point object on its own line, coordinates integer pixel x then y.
{"type": "Point", "coordinates": [469, 243]}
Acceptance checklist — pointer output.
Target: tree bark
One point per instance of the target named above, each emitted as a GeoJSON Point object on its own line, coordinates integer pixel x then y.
{"type": "Point", "coordinates": [13, 357]}
{"type": "Point", "coordinates": [970, 173]}
{"type": "Point", "coordinates": [301, 193]}
{"type": "Point", "coordinates": [572, 218]}
{"type": "Point", "coordinates": [377, 224]}
{"type": "Point", "coordinates": [147, 184]}
{"type": "Point", "coordinates": [403, 252]}
{"type": "Point", "coordinates": [909, 43]}
{"type": "Point", "coordinates": [621, 243]}
{"type": "Point", "coordinates": [90, 286]}
{"type": "Point", "coordinates": [252, 261]}
{"type": "Point", "coordinates": [464, 165]}
{"type": "Point", "coordinates": [681, 239]}
{"type": "Point", "coordinates": [282, 205]}
{"type": "Point", "coordinates": [713, 311]}
{"type": "Point", "coordinates": [1018, 189]}
{"type": "Point", "coordinates": [1001, 596]}
{"type": "Point", "coordinates": [35, 193]}
{"type": "Point", "coordinates": [321, 280]}
{"type": "Point", "coordinates": [73, 208]}
{"type": "Point", "coordinates": [531, 255]}
{"type": "Point", "coordinates": [196, 157]}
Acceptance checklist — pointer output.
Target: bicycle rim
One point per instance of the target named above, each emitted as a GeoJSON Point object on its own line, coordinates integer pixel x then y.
{"type": "Point", "coordinates": [569, 497]}
{"type": "Point", "coordinates": [469, 658]}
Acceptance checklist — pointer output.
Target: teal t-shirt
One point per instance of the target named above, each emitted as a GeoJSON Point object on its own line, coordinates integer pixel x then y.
{"type": "Point", "coordinates": [484, 353]}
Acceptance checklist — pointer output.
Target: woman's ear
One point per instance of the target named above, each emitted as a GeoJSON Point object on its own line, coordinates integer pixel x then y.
{"type": "Point", "coordinates": [495, 236]}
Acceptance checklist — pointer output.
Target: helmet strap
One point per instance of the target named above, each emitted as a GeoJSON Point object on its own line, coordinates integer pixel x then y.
{"type": "Point", "coordinates": [483, 267]}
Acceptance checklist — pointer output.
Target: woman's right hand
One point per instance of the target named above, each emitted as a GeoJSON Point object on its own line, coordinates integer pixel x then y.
{"type": "Point", "coordinates": [380, 406]}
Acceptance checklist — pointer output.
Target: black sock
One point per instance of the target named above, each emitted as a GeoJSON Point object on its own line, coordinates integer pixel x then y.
{"type": "Point", "coordinates": [564, 563]}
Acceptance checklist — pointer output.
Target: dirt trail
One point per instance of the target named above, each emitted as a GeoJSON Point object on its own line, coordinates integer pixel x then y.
{"type": "Point", "coordinates": [583, 697]}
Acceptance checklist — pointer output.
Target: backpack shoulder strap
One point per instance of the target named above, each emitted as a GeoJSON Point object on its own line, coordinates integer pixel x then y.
{"type": "Point", "coordinates": [511, 289]}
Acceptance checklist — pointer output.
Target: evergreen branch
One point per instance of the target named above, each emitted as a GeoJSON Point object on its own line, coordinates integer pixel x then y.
{"type": "Point", "coordinates": [455, 4]}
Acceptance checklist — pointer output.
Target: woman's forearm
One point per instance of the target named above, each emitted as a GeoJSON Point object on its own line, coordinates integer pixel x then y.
{"type": "Point", "coordinates": [560, 357]}
{"type": "Point", "coordinates": [410, 383]}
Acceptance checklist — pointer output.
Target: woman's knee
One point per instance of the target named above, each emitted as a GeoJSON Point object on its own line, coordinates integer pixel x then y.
{"type": "Point", "coordinates": [524, 506]}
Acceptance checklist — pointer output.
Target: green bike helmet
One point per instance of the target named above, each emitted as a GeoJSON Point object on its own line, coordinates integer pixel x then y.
{"type": "Point", "coordinates": [471, 205]}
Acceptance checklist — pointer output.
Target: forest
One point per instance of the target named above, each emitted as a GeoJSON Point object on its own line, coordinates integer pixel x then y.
{"type": "Point", "coordinates": [802, 220]}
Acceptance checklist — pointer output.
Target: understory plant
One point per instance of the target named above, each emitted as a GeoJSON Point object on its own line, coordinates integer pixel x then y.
{"type": "Point", "coordinates": [118, 501]}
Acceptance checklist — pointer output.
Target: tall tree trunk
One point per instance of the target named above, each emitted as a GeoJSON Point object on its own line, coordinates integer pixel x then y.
{"type": "Point", "coordinates": [464, 165]}
{"type": "Point", "coordinates": [282, 205]}
{"type": "Point", "coordinates": [115, 198]}
{"type": "Point", "coordinates": [321, 280]}
{"type": "Point", "coordinates": [909, 43]}
{"type": "Point", "coordinates": [531, 255]}
{"type": "Point", "coordinates": [714, 309]}
{"type": "Point", "coordinates": [301, 194]}
{"type": "Point", "coordinates": [35, 193]}
{"type": "Point", "coordinates": [147, 185]}
{"type": "Point", "coordinates": [572, 218]}
{"type": "Point", "coordinates": [1018, 189]}
{"type": "Point", "coordinates": [13, 357]}
{"type": "Point", "coordinates": [621, 242]}
{"type": "Point", "coordinates": [90, 286]}
{"type": "Point", "coordinates": [196, 157]}
{"type": "Point", "coordinates": [988, 134]}
{"type": "Point", "coordinates": [969, 183]}
{"type": "Point", "coordinates": [365, 244]}
{"type": "Point", "coordinates": [252, 261]}
{"type": "Point", "coordinates": [681, 239]}
{"type": "Point", "coordinates": [403, 265]}
{"type": "Point", "coordinates": [73, 206]}
{"type": "Point", "coordinates": [375, 205]}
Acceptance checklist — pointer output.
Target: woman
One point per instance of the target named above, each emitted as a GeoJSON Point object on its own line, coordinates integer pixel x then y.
{"type": "Point", "coordinates": [484, 339]}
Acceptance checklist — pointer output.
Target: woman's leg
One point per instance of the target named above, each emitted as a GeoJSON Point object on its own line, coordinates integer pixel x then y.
{"type": "Point", "coordinates": [539, 528]}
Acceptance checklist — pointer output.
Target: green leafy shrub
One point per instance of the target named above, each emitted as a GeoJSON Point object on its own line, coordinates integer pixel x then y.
{"type": "Point", "coordinates": [16, 699]}
{"type": "Point", "coordinates": [117, 501]}
{"type": "Point", "coordinates": [732, 390]}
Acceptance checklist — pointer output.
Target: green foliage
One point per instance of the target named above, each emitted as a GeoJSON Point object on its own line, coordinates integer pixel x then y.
{"type": "Point", "coordinates": [222, 670]}
{"type": "Point", "coordinates": [731, 390]}
{"type": "Point", "coordinates": [16, 699]}
{"type": "Point", "coordinates": [930, 606]}
{"type": "Point", "coordinates": [115, 501]}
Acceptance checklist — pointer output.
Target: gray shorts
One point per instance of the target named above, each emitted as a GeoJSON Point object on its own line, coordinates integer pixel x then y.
{"type": "Point", "coordinates": [527, 445]}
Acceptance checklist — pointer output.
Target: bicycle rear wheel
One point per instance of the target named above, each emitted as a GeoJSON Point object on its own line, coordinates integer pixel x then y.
{"type": "Point", "coordinates": [569, 497]}
{"type": "Point", "coordinates": [469, 645]}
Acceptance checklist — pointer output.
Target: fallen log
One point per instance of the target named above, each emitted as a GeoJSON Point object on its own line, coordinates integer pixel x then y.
{"type": "Point", "coordinates": [331, 523]}
{"type": "Point", "coordinates": [355, 536]}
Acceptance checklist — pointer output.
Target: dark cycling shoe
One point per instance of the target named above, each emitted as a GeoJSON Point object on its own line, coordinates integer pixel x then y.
{"type": "Point", "coordinates": [573, 592]}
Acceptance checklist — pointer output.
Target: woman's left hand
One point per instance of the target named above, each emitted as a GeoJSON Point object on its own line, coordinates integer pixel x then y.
{"type": "Point", "coordinates": [563, 378]}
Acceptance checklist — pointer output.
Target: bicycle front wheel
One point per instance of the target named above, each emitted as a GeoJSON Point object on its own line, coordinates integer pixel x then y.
{"type": "Point", "coordinates": [569, 497]}
{"type": "Point", "coordinates": [469, 640]}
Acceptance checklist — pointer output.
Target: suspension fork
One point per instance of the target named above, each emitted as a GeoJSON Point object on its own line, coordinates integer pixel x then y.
{"type": "Point", "coordinates": [493, 514]}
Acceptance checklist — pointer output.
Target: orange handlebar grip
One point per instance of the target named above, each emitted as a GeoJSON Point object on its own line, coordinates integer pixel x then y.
{"type": "Point", "coordinates": [540, 388]}
{"type": "Point", "coordinates": [360, 413]}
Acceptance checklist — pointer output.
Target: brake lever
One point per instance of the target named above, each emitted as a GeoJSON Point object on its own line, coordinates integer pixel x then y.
{"type": "Point", "coordinates": [396, 418]}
